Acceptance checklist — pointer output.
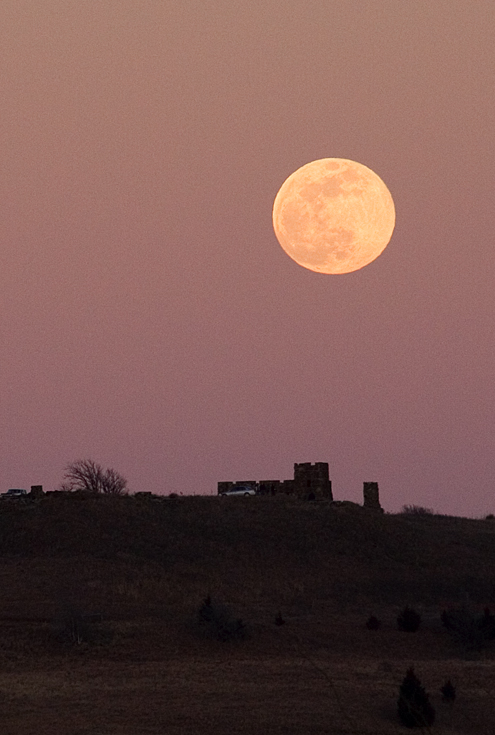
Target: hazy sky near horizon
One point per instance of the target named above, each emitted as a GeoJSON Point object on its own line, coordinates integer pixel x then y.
{"type": "Point", "coordinates": [149, 319]}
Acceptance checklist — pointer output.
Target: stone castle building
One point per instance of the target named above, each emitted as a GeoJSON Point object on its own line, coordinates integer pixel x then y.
{"type": "Point", "coordinates": [311, 482]}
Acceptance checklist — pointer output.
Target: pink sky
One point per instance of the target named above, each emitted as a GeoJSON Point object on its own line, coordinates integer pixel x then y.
{"type": "Point", "coordinates": [149, 319]}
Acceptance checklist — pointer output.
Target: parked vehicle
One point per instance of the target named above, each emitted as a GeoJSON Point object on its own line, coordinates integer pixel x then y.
{"type": "Point", "coordinates": [14, 492]}
{"type": "Point", "coordinates": [240, 490]}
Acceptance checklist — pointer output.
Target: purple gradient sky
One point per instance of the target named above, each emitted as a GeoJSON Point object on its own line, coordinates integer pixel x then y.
{"type": "Point", "coordinates": [148, 317]}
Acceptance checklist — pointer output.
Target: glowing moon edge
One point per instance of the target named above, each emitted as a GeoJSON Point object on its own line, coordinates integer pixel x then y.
{"type": "Point", "coordinates": [333, 215]}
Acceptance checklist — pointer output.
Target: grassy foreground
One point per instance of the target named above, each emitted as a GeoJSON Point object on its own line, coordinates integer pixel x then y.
{"type": "Point", "coordinates": [146, 565]}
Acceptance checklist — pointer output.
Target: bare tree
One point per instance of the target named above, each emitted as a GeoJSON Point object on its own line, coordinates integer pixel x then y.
{"type": "Point", "coordinates": [114, 484]}
{"type": "Point", "coordinates": [88, 476]}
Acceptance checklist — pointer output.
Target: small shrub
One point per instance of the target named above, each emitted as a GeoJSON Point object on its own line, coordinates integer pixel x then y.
{"type": "Point", "coordinates": [74, 628]}
{"type": "Point", "coordinates": [413, 706]}
{"type": "Point", "coordinates": [373, 623]}
{"type": "Point", "coordinates": [489, 517]}
{"type": "Point", "coordinates": [448, 692]}
{"type": "Point", "coordinates": [487, 624]}
{"type": "Point", "coordinates": [463, 628]}
{"type": "Point", "coordinates": [409, 620]}
{"type": "Point", "coordinates": [205, 612]}
{"type": "Point", "coordinates": [416, 510]}
{"type": "Point", "coordinates": [446, 620]}
{"type": "Point", "coordinates": [217, 622]}
{"type": "Point", "coordinates": [467, 630]}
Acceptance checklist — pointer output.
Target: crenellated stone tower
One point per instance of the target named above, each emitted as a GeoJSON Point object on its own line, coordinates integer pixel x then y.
{"type": "Point", "coordinates": [371, 497]}
{"type": "Point", "coordinates": [312, 481]}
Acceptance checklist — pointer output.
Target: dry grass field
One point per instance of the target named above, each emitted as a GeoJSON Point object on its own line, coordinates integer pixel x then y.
{"type": "Point", "coordinates": [146, 665]}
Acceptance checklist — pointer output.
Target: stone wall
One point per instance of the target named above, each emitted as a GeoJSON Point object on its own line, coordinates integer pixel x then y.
{"type": "Point", "coordinates": [311, 482]}
{"type": "Point", "coordinates": [269, 487]}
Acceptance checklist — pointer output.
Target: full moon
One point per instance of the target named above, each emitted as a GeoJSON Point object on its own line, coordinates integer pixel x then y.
{"type": "Point", "coordinates": [333, 216]}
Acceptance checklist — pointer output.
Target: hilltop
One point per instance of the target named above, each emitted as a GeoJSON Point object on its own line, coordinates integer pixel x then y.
{"type": "Point", "coordinates": [243, 549]}
{"type": "Point", "coordinates": [144, 567]}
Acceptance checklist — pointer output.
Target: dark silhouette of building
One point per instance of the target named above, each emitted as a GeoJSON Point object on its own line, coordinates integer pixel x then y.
{"type": "Point", "coordinates": [371, 496]}
{"type": "Point", "coordinates": [311, 482]}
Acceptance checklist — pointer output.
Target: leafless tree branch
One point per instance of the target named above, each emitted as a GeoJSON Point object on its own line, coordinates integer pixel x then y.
{"type": "Point", "coordinates": [88, 476]}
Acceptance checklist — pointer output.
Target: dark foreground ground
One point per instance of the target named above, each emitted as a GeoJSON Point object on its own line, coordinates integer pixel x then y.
{"type": "Point", "coordinates": [145, 663]}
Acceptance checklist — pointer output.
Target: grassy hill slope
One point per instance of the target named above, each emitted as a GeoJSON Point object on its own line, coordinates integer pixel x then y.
{"type": "Point", "coordinates": [121, 552]}
{"type": "Point", "coordinates": [146, 565]}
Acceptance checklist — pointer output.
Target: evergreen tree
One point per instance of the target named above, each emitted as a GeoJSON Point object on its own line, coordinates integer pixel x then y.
{"type": "Point", "coordinates": [487, 624]}
{"type": "Point", "coordinates": [409, 620]}
{"type": "Point", "coordinates": [413, 706]}
{"type": "Point", "coordinates": [446, 620]}
{"type": "Point", "coordinates": [279, 619]}
{"type": "Point", "coordinates": [448, 691]}
{"type": "Point", "coordinates": [373, 623]}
